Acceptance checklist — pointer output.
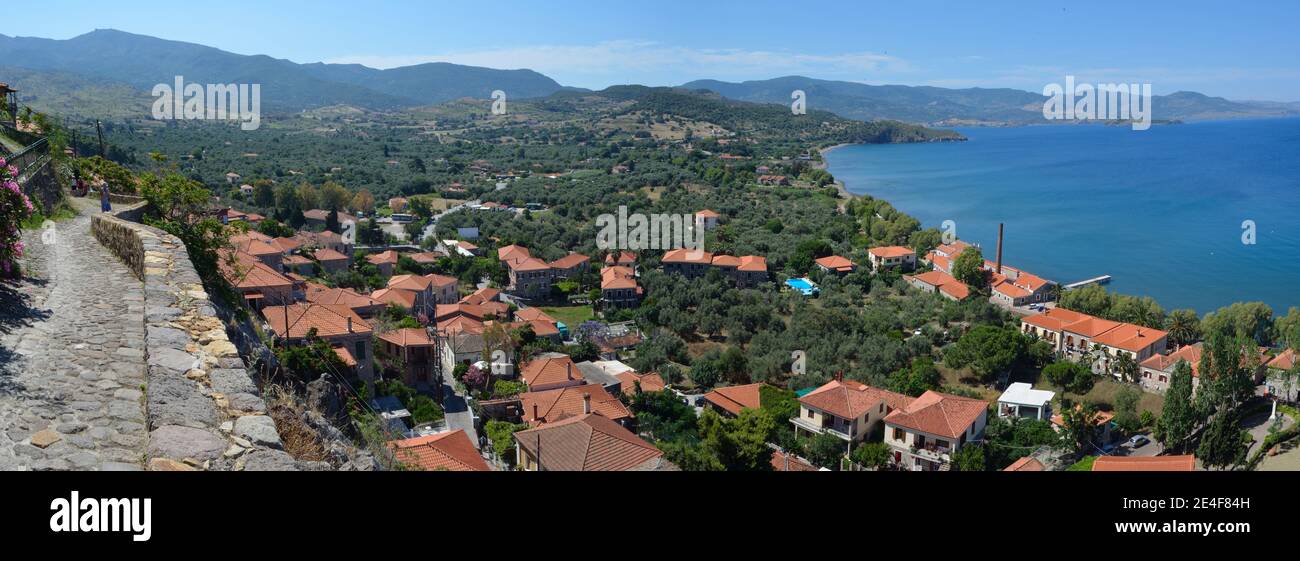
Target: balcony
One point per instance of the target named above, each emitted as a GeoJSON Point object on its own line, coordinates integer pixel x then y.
{"type": "Point", "coordinates": [810, 426]}
{"type": "Point", "coordinates": [932, 453]}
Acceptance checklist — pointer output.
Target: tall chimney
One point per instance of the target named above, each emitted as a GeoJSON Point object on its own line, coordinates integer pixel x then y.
{"type": "Point", "coordinates": [586, 404]}
{"type": "Point", "coordinates": [1000, 231]}
{"type": "Point", "coordinates": [349, 325]}
{"type": "Point", "coordinates": [534, 411]}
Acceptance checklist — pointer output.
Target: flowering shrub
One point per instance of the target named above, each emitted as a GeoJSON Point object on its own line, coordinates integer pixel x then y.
{"type": "Point", "coordinates": [15, 207]}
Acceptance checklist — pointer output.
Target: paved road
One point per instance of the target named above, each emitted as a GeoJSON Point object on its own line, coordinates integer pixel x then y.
{"type": "Point", "coordinates": [71, 356]}
{"type": "Point", "coordinates": [457, 410]}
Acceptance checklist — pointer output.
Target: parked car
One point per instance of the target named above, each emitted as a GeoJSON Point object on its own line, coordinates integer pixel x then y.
{"type": "Point", "coordinates": [1138, 441]}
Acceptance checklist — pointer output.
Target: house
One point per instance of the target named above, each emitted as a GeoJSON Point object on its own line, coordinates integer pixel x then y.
{"type": "Point", "coordinates": [1281, 375]}
{"type": "Point", "coordinates": [410, 353]}
{"type": "Point", "coordinates": [325, 240]}
{"type": "Point", "coordinates": [621, 259]}
{"type": "Point", "coordinates": [708, 218]}
{"type": "Point", "coordinates": [892, 257]}
{"type": "Point", "coordinates": [1144, 463]}
{"type": "Point", "coordinates": [939, 282]}
{"type": "Point", "coordinates": [785, 461]}
{"type": "Point", "coordinates": [319, 217]}
{"type": "Point", "coordinates": [299, 264]}
{"type": "Point", "coordinates": [1015, 288]}
{"type": "Point", "coordinates": [605, 373]}
{"type": "Point", "coordinates": [1102, 420]}
{"type": "Point", "coordinates": [1022, 401]}
{"type": "Point", "coordinates": [1155, 372]}
{"type": "Point", "coordinates": [512, 252]}
{"type": "Point", "coordinates": [261, 247]}
{"type": "Point", "coordinates": [689, 263]}
{"type": "Point", "coordinates": [751, 272]}
{"type": "Point", "coordinates": [1050, 325]}
{"type": "Point", "coordinates": [553, 372]}
{"type": "Point", "coordinates": [849, 410]}
{"type": "Point", "coordinates": [331, 261]}
{"type": "Point", "coordinates": [549, 406]}
{"type": "Point", "coordinates": [246, 190]}
{"type": "Point", "coordinates": [924, 434]}
{"type": "Point", "coordinates": [773, 180]}
{"type": "Point", "coordinates": [570, 266]}
{"type": "Point", "coordinates": [731, 400]}
{"type": "Point", "coordinates": [530, 277]}
{"type": "Point", "coordinates": [463, 248]}
{"type": "Point", "coordinates": [428, 257]}
{"type": "Point", "coordinates": [386, 262]}
{"type": "Point", "coordinates": [482, 296]}
{"type": "Point", "coordinates": [404, 299]}
{"type": "Point", "coordinates": [336, 324]}
{"type": "Point", "coordinates": [836, 264]}
{"type": "Point", "coordinates": [631, 383]}
{"type": "Point", "coordinates": [232, 177]}
{"type": "Point", "coordinates": [618, 287]}
{"type": "Point", "coordinates": [364, 306]}
{"type": "Point", "coordinates": [1136, 342]}
{"type": "Point", "coordinates": [460, 347]}
{"type": "Point", "coordinates": [587, 442]}
{"type": "Point", "coordinates": [533, 314]}
{"type": "Point", "coordinates": [1027, 463]}
{"type": "Point", "coordinates": [258, 283]}
{"type": "Point", "coordinates": [448, 451]}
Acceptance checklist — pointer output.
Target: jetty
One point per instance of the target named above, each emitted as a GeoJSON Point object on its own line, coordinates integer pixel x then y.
{"type": "Point", "coordinates": [1095, 280]}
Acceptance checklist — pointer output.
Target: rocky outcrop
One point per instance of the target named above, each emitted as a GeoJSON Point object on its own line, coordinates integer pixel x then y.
{"type": "Point", "coordinates": [204, 410]}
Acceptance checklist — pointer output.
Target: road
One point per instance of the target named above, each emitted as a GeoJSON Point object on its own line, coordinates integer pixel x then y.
{"type": "Point", "coordinates": [457, 410]}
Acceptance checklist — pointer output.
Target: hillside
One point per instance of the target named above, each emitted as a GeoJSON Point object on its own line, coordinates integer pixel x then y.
{"type": "Point", "coordinates": [925, 104]}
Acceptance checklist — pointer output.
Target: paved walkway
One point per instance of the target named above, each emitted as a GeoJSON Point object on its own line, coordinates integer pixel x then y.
{"type": "Point", "coordinates": [71, 356]}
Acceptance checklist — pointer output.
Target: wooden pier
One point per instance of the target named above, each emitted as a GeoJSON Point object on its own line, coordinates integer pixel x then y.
{"type": "Point", "coordinates": [1096, 280]}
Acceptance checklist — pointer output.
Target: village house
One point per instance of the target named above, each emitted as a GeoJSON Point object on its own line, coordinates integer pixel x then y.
{"type": "Point", "coordinates": [892, 257]}
{"type": "Point", "coordinates": [331, 261]}
{"type": "Point", "coordinates": [836, 264]}
{"type": "Point", "coordinates": [448, 451]}
{"type": "Point", "coordinates": [688, 263]}
{"type": "Point", "coordinates": [621, 259]}
{"type": "Point", "coordinates": [849, 410]}
{"type": "Point", "coordinates": [587, 442]}
{"type": "Point", "coordinates": [261, 247]}
{"type": "Point", "coordinates": [549, 406]}
{"type": "Point", "coordinates": [729, 401]}
{"type": "Point", "coordinates": [570, 266]}
{"type": "Point", "coordinates": [530, 277]}
{"type": "Point", "coordinates": [404, 299]}
{"type": "Point", "coordinates": [618, 287]}
{"type": "Point", "coordinates": [939, 282]}
{"type": "Point", "coordinates": [461, 347]}
{"type": "Point", "coordinates": [1155, 372]}
{"type": "Point", "coordinates": [546, 373]}
{"type": "Point", "coordinates": [363, 305]}
{"type": "Point", "coordinates": [299, 264]}
{"type": "Point", "coordinates": [708, 218]}
{"type": "Point", "coordinates": [773, 180]}
{"type": "Point", "coordinates": [336, 324]}
{"type": "Point", "coordinates": [631, 383]}
{"type": "Point", "coordinates": [924, 434]}
{"type": "Point", "coordinates": [386, 262]}
{"type": "Point", "coordinates": [258, 283]}
{"type": "Point", "coordinates": [1281, 375]}
{"type": "Point", "coordinates": [410, 353]}
{"type": "Point", "coordinates": [1022, 401]}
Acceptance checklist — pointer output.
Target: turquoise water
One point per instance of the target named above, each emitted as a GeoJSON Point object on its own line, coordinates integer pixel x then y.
{"type": "Point", "coordinates": [1160, 210]}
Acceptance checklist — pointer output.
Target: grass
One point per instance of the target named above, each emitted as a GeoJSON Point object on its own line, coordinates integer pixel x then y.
{"type": "Point", "coordinates": [1104, 392]}
{"type": "Point", "coordinates": [572, 316]}
{"type": "Point", "coordinates": [1083, 465]}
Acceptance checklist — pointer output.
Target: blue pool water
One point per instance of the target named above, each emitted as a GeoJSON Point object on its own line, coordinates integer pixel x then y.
{"type": "Point", "coordinates": [1159, 210]}
{"type": "Point", "coordinates": [805, 286]}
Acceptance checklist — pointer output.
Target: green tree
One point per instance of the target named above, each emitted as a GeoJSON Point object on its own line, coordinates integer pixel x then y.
{"type": "Point", "coordinates": [917, 379]}
{"type": "Point", "coordinates": [1126, 412]}
{"type": "Point", "coordinates": [826, 450]}
{"type": "Point", "coordinates": [1224, 443]}
{"type": "Point", "coordinates": [989, 351]}
{"type": "Point", "coordinates": [969, 268]}
{"type": "Point", "coordinates": [969, 458]}
{"type": "Point", "coordinates": [1069, 377]}
{"type": "Point", "coordinates": [1080, 426]}
{"type": "Point", "coordinates": [1178, 417]}
{"type": "Point", "coordinates": [1184, 327]}
{"type": "Point", "coordinates": [871, 455]}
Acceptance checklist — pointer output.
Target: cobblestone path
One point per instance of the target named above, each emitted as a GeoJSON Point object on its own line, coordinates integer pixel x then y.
{"type": "Point", "coordinates": [72, 363]}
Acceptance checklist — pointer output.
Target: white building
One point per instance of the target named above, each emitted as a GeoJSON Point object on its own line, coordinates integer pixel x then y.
{"type": "Point", "coordinates": [1023, 401]}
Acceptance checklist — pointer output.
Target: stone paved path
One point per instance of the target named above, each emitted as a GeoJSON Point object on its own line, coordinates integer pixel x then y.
{"type": "Point", "coordinates": [71, 357]}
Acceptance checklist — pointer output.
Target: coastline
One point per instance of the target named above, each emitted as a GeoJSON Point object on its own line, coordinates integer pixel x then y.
{"type": "Point", "coordinates": [839, 184]}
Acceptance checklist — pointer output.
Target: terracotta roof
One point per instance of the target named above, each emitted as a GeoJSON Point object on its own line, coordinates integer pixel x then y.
{"type": "Point", "coordinates": [530, 314]}
{"type": "Point", "coordinates": [943, 282]}
{"type": "Point", "coordinates": [403, 298]}
{"type": "Point", "coordinates": [706, 213]}
{"type": "Point", "coordinates": [427, 257]}
{"type": "Point", "coordinates": [449, 451]}
{"type": "Point", "coordinates": [684, 255]}
{"type": "Point", "coordinates": [409, 282]}
{"type": "Point", "coordinates": [248, 272]}
{"type": "Point", "coordinates": [629, 381]}
{"type": "Point", "coordinates": [1054, 319]}
{"type": "Point", "coordinates": [328, 320]}
{"type": "Point", "coordinates": [1010, 289]}
{"type": "Point", "coordinates": [1103, 417]}
{"type": "Point", "coordinates": [782, 461]}
{"type": "Point", "coordinates": [957, 290]}
{"type": "Point", "coordinates": [389, 257]}
{"type": "Point", "coordinates": [850, 399]}
{"type": "Point", "coordinates": [953, 249]}
{"type": "Point", "coordinates": [481, 296]}
{"type": "Point", "coordinates": [562, 403]}
{"type": "Point", "coordinates": [726, 261]}
{"type": "Point", "coordinates": [255, 244]}
{"type": "Point", "coordinates": [327, 254]}
{"type": "Point", "coordinates": [345, 355]}
{"type": "Point", "coordinates": [590, 443]}
{"type": "Point", "coordinates": [620, 258]}
{"type": "Point", "coordinates": [753, 264]}
{"type": "Point", "coordinates": [460, 324]}
{"type": "Point", "coordinates": [408, 337]}
{"type": "Point", "coordinates": [570, 261]}
{"type": "Point", "coordinates": [939, 414]}
{"type": "Point", "coordinates": [545, 371]}
{"type": "Point", "coordinates": [287, 245]}
{"type": "Point", "coordinates": [1026, 463]}
{"type": "Point", "coordinates": [1131, 337]}
{"type": "Point", "coordinates": [498, 309]}
{"type": "Point", "coordinates": [1091, 326]}
{"type": "Point", "coordinates": [528, 264]}
{"type": "Point", "coordinates": [1286, 360]}
{"type": "Point", "coordinates": [891, 251]}
{"type": "Point", "coordinates": [1144, 463]}
{"type": "Point", "coordinates": [513, 253]}
{"type": "Point", "coordinates": [735, 398]}
{"type": "Point", "coordinates": [616, 282]}
{"type": "Point", "coordinates": [836, 263]}
{"type": "Point", "coordinates": [444, 311]}
{"type": "Point", "coordinates": [318, 294]}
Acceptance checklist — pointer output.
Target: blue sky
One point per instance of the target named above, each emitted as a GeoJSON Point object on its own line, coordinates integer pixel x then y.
{"type": "Point", "coordinates": [1240, 50]}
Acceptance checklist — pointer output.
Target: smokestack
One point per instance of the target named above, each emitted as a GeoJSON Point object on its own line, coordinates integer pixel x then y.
{"type": "Point", "coordinates": [1000, 232]}
{"type": "Point", "coordinates": [568, 370]}
{"type": "Point", "coordinates": [349, 325]}
{"type": "Point", "coordinates": [534, 411]}
{"type": "Point", "coordinates": [586, 404]}
{"type": "Point", "coordinates": [839, 376]}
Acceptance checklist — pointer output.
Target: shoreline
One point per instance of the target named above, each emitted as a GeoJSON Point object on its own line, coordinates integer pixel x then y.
{"type": "Point", "coordinates": [824, 166]}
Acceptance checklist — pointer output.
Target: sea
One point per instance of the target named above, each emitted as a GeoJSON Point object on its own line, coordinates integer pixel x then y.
{"type": "Point", "coordinates": [1196, 215]}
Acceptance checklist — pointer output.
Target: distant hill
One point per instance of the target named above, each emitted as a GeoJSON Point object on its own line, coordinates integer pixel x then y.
{"type": "Point", "coordinates": [925, 104]}
{"type": "Point", "coordinates": [141, 62]}
{"type": "Point", "coordinates": [74, 95]}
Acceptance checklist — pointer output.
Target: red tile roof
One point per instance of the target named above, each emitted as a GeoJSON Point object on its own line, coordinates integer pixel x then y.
{"type": "Point", "coordinates": [558, 404]}
{"type": "Point", "coordinates": [530, 314]}
{"type": "Point", "coordinates": [1054, 319]}
{"type": "Point", "coordinates": [1285, 360]}
{"type": "Point", "coordinates": [528, 264]}
{"type": "Point", "coordinates": [1144, 463]}
{"type": "Point", "coordinates": [939, 414]}
{"type": "Point", "coordinates": [706, 213]}
{"type": "Point", "coordinates": [408, 337]}
{"type": "Point", "coordinates": [448, 451]}
{"type": "Point", "coordinates": [1132, 338]}
{"type": "Point", "coordinates": [891, 251]}
{"type": "Point", "coordinates": [327, 254]}
{"type": "Point", "coordinates": [249, 273]}
{"type": "Point", "coordinates": [513, 253]}
{"type": "Point", "coordinates": [684, 255]}
{"type": "Point", "coordinates": [319, 294]}
{"type": "Point", "coordinates": [387, 257]}
{"type": "Point", "coordinates": [570, 261]}
{"type": "Point", "coordinates": [753, 264]}
{"type": "Point", "coordinates": [386, 296]}
{"type": "Point", "coordinates": [629, 381]}
{"type": "Point", "coordinates": [481, 296]}
{"type": "Point", "coordinates": [546, 371]}
{"type": "Point", "coordinates": [782, 461]}
{"type": "Point", "coordinates": [590, 443]}
{"type": "Point", "coordinates": [849, 399]}
{"type": "Point", "coordinates": [328, 320]}
{"type": "Point", "coordinates": [735, 398]}
{"type": "Point", "coordinates": [836, 263]}
{"type": "Point", "coordinates": [1026, 464]}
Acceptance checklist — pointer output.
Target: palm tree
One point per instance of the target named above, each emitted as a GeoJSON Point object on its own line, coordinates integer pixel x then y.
{"type": "Point", "coordinates": [1184, 327]}
{"type": "Point", "coordinates": [1127, 367]}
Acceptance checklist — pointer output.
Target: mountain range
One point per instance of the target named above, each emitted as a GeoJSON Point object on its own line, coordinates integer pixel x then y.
{"type": "Point", "coordinates": [108, 74]}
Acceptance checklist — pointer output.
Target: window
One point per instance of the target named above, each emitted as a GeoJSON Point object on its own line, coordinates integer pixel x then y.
{"type": "Point", "coordinates": [882, 407]}
{"type": "Point", "coordinates": [361, 350]}
{"type": "Point", "coordinates": [899, 434]}
{"type": "Point", "coordinates": [810, 414]}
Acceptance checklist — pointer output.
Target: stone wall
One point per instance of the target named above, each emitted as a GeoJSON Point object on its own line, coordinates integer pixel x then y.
{"type": "Point", "coordinates": [203, 408]}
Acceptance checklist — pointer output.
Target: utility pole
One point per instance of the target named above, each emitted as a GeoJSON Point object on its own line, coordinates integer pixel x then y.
{"type": "Point", "coordinates": [100, 130]}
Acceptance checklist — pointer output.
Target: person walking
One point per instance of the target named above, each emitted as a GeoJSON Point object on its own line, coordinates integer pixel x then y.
{"type": "Point", "coordinates": [104, 203]}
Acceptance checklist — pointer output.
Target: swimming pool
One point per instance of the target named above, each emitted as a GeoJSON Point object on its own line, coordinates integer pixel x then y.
{"type": "Point", "coordinates": [804, 286]}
